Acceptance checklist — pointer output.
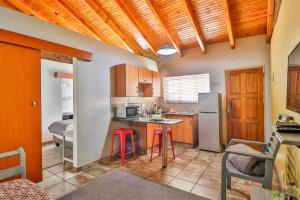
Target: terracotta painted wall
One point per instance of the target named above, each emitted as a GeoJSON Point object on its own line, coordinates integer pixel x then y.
{"type": "Point", "coordinates": [285, 37]}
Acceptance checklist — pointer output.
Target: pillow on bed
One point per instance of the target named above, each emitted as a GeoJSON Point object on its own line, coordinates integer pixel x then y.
{"type": "Point", "coordinates": [244, 164]}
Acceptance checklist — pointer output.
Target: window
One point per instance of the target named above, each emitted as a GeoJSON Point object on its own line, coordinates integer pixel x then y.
{"type": "Point", "coordinates": [185, 89]}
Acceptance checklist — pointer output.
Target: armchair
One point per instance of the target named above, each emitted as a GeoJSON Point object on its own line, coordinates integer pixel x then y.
{"type": "Point", "coordinates": [268, 154]}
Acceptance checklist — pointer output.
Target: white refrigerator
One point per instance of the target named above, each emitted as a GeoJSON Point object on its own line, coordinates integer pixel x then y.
{"type": "Point", "coordinates": [210, 137]}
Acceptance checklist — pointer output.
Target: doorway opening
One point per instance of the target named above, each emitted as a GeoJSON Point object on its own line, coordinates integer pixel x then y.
{"type": "Point", "coordinates": [57, 108]}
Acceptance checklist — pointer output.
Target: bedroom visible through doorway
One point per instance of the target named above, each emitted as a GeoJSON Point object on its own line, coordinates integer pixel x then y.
{"type": "Point", "coordinates": [57, 108]}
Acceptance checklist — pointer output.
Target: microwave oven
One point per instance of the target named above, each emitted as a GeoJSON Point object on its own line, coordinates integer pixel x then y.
{"type": "Point", "coordinates": [127, 111]}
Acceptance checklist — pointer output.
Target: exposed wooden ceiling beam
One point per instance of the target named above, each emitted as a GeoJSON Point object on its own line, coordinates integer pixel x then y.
{"type": "Point", "coordinates": [126, 41]}
{"type": "Point", "coordinates": [51, 16]}
{"type": "Point", "coordinates": [228, 23]}
{"type": "Point", "coordinates": [134, 21]}
{"type": "Point", "coordinates": [7, 4]}
{"type": "Point", "coordinates": [192, 17]}
{"type": "Point", "coordinates": [270, 19]}
{"type": "Point", "coordinates": [173, 39]}
{"type": "Point", "coordinates": [25, 8]}
{"type": "Point", "coordinates": [82, 20]}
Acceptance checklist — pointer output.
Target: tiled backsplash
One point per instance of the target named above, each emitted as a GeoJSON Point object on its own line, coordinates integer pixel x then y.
{"type": "Point", "coordinates": [146, 104]}
{"type": "Point", "coordinates": [179, 107]}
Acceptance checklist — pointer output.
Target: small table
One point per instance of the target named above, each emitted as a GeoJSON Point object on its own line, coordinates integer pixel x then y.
{"type": "Point", "coordinates": [288, 138]}
{"type": "Point", "coordinates": [165, 123]}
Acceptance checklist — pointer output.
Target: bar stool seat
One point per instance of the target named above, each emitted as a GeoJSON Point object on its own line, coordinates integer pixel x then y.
{"type": "Point", "coordinates": [122, 132]}
{"type": "Point", "coordinates": [159, 132]}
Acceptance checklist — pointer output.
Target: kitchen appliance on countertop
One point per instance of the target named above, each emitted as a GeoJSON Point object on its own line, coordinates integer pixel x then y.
{"type": "Point", "coordinates": [210, 123]}
{"type": "Point", "coordinates": [127, 111]}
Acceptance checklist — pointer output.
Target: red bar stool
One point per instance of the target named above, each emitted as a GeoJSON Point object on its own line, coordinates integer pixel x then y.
{"type": "Point", "coordinates": [159, 132]}
{"type": "Point", "coordinates": [122, 134]}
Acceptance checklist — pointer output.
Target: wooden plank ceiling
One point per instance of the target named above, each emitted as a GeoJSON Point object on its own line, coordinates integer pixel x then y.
{"type": "Point", "coordinates": [144, 26]}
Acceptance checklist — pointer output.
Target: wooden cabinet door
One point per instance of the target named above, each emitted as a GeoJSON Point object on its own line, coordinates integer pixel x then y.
{"type": "Point", "coordinates": [126, 80]}
{"type": "Point", "coordinates": [131, 81]}
{"type": "Point", "coordinates": [182, 132]}
{"type": "Point", "coordinates": [119, 80]}
{"type": "Point", "coordinates": [187, 128]}
{"type": "Point", "coordinates": [150, 129]}
{"type": "Point", "coordinates": [145, 75]}
{"type": "Point", "coordinates": [20, 107]}
{"type": "Point", "coordinates": [156, 84]}
{"type": "Point", "coordinates": [245, 109]}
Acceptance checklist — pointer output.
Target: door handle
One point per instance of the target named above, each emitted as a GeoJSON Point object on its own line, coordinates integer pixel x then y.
{"type": "Point", "coordinates": [228, 110]}
{"type": "Point", "coordinates": [34, 104]}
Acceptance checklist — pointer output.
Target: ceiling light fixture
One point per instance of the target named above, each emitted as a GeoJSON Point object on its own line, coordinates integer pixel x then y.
{"type": "Point", "coordinates": [166, 50]}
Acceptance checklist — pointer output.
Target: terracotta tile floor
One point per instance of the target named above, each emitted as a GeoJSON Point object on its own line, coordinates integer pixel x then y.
{"type": "Point", "coordinates": [195, 171]}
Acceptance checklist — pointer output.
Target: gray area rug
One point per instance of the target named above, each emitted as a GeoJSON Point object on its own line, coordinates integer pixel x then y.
{"type": "Point", "coordinates": [119, 185]}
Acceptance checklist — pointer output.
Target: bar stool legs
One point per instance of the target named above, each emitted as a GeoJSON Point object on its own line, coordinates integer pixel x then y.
{"type": "Point", "coordinates": [159, 133]}
{"type": "Point", "coordinates": [122, 134]}
{"type": "Point", "coordinates": [133, 146]}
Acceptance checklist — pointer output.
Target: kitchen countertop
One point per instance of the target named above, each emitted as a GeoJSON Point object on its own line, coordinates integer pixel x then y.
{"type": "Point", "coordinates": [181, 113]}
{"type": "Point", "coordinates": [145, 120]}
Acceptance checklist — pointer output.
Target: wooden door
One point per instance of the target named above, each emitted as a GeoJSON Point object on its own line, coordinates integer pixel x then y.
{"type": "Point", "coordinates": [293, 95]}
{"type": "Point", "coordinates": [145, 75]}
{"type": "Point", "coordinates": [156, 84]}
{"type": "Point", "coordinates": [131, 81]}
{"type": "Point", "coordinates": [20, 107]}
{"type": "Point", "coordinates": [244, 104]}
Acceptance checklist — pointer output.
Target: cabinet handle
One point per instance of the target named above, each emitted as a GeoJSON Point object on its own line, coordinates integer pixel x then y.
{"type": "Point", "coordinates": [228, 110]}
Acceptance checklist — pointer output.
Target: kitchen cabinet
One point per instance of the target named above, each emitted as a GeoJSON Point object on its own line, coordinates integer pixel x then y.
{"type": "Point", "coordinates": [145, 75]}
{"type": "Point", "coordinates": [130, 81]}
{"type": "Point", "coordinates": [145, 133]}
{"type": "Point", "coordinates": [126, 80]}
{"type": "Point", "coordinates": [156, 84]}
{"type": "Point", "coordinates": [187, 131]}
{"type": "Point", "coordinates": [150, 130]}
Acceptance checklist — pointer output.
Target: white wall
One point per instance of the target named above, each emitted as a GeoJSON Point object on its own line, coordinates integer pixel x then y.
{"type": "Point", "coordinates": [91, 82]}
{"type": "Point", "coordinates": [249, 52]}
{"type": "Point", "coordinates": [286, 36]}
{"type": "Point", "coordinates": [294, 57]}
{"type": "Point", "coordinates": [51, 93]}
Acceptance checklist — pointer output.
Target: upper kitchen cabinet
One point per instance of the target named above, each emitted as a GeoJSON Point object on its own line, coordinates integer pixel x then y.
{"type": "Point", "coordinates": [145, 75]}
{"type": "Point", "coordinates": [126, 80]}
{"type": "Point", "coordinates": [156, 84]}
{"type": "Point", "coordinates": [131, 81]}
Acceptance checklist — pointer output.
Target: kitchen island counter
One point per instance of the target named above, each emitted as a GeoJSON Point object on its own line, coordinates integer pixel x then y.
{"type": "Point", "coordinates": [163, 123]}
{"type": "Point", "coordinates": [146, 120]}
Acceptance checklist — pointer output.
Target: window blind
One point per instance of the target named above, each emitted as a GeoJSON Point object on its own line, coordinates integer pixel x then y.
{"type": "Point", "coordinates": [185, 89]}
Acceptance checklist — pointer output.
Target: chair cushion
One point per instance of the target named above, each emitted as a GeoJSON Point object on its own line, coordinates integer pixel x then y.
{"type": "Point", "coordinates": [246, 164]}
{"type": "Point", "coordinates": [21, 189]}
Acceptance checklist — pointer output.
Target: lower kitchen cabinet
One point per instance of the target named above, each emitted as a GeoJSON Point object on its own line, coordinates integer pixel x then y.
{"type": "Point", "coordinates": [145, 133]}
{"type": "Point", "coordinates": [187, 131]}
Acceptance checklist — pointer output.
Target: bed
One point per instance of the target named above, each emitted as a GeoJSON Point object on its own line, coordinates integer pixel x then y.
{"type": "Point", "coordinates": [19, 189]}
{"type": "Point", "coordinates": [63, 131]}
